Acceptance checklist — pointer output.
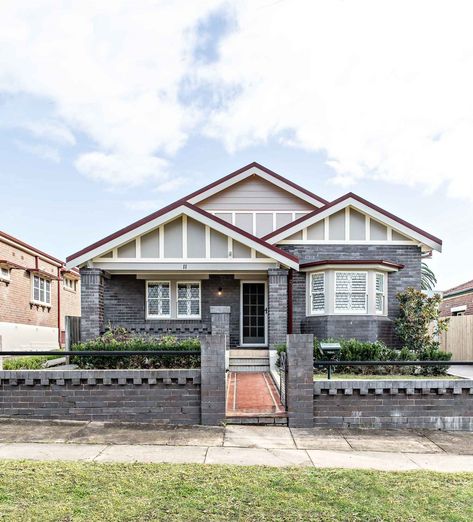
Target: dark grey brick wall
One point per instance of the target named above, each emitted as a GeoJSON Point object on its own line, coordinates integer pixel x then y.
{"type": "Point", "coordinates": [213, 380]}
{"type": "Point", "coordinates": [348, 326]}
{"type": "Point", "coordinates": [124, 305]}
{"type": "Point", "coordinates": [277, 306]}
{"type": "Point", "coordinates": [92, 303]}
{"type": "Point", "coordinates": [159, 396]}
{"type": "Point", "coordinates": [436, 404]}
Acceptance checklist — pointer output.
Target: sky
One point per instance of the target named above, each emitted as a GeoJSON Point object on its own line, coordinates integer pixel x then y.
{"type": "Point", "coordinates": [110, 110]}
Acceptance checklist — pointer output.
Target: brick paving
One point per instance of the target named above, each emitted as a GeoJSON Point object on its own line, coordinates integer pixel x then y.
{"type": "Point", "coordinates": [252, 393]}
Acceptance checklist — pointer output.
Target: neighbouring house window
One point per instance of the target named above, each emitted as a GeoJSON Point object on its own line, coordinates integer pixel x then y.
{"type": "Point", "coordinates": [5, 274]}
{"type": "Point", "coordinates": [380, 297]}
{"type": "Point", "coordinates": [188, 299]}
{"type": "Point", "coordinates": [317, 293]}
{"type": "Point", "coordinates": [70, 284]}
{"type": "Point", "coordinates": [41, 290]}
{"type": "Point", "coordinates": [351, 292]}
{"type": "Point", "coordinates": [158, 299]}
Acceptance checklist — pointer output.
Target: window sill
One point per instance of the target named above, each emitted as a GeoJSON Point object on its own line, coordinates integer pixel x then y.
{"type": "Point", "coordinates": [5, 280]}
{"type": "Point", "coordinates": [38, 304]}
{"type": "Point", "coordinates": [69, 290]}
{"type": "Point", "coordinates": [164, 318]}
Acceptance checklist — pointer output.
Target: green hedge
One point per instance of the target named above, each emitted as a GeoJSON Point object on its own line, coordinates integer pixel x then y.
{"type": "Point", "coordinates": [119, 339]}
{"type": "Point", "coordinates": [354, 350]}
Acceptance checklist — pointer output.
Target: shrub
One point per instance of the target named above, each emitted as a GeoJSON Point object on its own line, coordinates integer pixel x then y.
{"type": "Point", "coordinates": [33, 362]}
{"type": "Point", "coordinates": [119, 339]}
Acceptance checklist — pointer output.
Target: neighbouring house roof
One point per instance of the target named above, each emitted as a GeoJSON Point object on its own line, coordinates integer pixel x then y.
{"type": "Point", "coordinates": [188, 205]}
{"type": "Point", "coordinates": [464, 288]}
{"type": "Point", "coordinates": [29, 248]}
{"type": "Point", "coordinates": [351, 199]}
{"type": "Point", "coordinates": [344, 262]}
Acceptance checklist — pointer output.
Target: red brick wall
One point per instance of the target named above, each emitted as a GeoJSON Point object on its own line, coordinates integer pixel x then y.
{"type": "Point", "coordinates": [15, 297]}
{"type": "Point", "coordinates": [452, 302]}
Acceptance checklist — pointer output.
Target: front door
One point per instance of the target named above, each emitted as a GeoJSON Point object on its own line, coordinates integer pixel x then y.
{"type": "Point", "coordinates": [253, 314]}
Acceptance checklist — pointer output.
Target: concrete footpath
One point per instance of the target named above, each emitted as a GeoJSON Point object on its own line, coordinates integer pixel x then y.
{"type": "Point", "coordinates": [388, 450]}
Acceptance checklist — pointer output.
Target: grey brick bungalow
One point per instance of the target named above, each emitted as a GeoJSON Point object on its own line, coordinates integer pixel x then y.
{"type": "Point", "coordinates": [282, 258]}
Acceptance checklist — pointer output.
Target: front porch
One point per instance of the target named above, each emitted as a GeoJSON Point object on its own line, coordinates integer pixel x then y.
{"type": "Point", "coordinates": [179, 303]}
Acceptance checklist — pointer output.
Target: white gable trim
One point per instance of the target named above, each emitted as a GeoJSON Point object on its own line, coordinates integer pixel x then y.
{"type": "Point", "coordinates": [264, 175]}
{"type": "Point", "coordinates": [169, 216]}
{"type": "Point", "coordinates": [382, 218]}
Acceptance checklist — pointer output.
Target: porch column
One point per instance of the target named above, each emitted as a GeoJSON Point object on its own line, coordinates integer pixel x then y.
{"type": "Point", "coordinates": [212, 387]}
{"type": "Point", "coordinates": [92, 303]}
{"type": "Point", "coordinates": [277, 306]}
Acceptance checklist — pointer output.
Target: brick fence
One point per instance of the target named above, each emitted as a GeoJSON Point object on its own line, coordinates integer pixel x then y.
{"type": "Point", "coordinates": [431, 404]}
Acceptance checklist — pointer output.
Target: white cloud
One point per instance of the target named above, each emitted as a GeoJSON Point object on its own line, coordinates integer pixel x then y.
{"type": "Point", "coordinates": [382, 87]}
{"type": "Point", "coordinates": [41, 151]}
{"type": "Point", "coordinates": [125, 170]}
{"type": "Point", "coordinates": [112, 70]}
{"type": "Point", "coordinates": [50, 130]}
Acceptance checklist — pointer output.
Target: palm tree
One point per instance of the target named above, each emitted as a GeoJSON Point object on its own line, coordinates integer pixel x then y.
{"type": "Point", "coordinates": [427, 278]}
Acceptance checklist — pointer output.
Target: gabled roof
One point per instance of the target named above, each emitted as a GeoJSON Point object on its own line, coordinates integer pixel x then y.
{"type": "Point", "coordinates": [463, 288]}
{"type": "Point", "coordinates": [29, 248]}
{"type": "Point", "coordinates": [388, 265]}
{"type": "Point", "coordinates": [351, 199]}
{"type": "Point", "coordinates": [171, 212]}
{"type": "Point", "coordinates": [263, 172]}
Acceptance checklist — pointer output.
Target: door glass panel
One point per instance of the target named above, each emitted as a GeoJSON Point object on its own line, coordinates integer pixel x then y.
{"type": "Point", "coordinates": [254, 315]}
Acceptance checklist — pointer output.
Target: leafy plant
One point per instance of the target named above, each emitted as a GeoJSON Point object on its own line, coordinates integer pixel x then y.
{"type": "Point", "coordinates": [427, 277]}
{"type": "Point", "coordinates": [33, 362]}
{"type": "Point", "coordinates": [419, 323]}
{"type": "Point", "coordinates": [119, 339]}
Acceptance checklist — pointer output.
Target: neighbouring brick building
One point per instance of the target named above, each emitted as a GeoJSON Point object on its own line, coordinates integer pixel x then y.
{"type": "Point", "coordinates": [281, 258]}
{"type": "Point", "coordinates": [36, 293]}
{"type": "Point", "coordinates": [457, 300]}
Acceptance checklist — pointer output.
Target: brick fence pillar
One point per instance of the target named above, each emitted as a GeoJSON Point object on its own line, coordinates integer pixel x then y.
{"type": "Point", "coordinates": [277, 306]}
{"type": "Point", "coordinates": [220, 322]}
{"type": "Point", "coordinates": [92, 303]}
{"type": "Point", "coordinates": [300, 385]}
{"type": "Point", "coordinates": [212, 388]}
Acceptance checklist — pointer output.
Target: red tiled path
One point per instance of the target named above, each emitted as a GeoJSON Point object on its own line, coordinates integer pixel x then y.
{"type": "Point", "coordinates": [252, 393]}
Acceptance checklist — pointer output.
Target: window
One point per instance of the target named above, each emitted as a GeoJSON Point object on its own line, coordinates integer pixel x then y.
{"type": "Point", "coordinates": [70, 284]}
{"type": "Point", "coordinates": [41, 290]}
{"type": "Point", "coordinates": [158, 299]}
{"type": "Point", "coordinates": [4, 274]}
{"type": "Point", "coordinates": [317, 293]}
{"type": "Point", "coordinates": [188, 299]}
{"type": "Point", "coordinates": [351, 292]}
{"type": "Point", "coordinates": [379, 289]}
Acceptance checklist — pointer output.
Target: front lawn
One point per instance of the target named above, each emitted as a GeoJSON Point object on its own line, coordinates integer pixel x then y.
{"type": "Point", "coordinates": [31, 491]}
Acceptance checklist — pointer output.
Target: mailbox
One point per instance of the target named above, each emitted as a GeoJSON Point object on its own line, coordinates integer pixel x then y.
{"type": "Point", "coordinates": [330, 351]}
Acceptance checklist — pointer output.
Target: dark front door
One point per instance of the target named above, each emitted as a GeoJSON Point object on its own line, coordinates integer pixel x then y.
{"type": "Point", "coordinates": [253, 314]}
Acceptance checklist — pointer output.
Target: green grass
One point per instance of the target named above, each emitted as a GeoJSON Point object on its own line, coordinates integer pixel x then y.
{"type": "Point", "coordinates": [354, 377]}
{"type": "Point", "coordinates": [31, 491]}
{"type": "Point", "coordinates": [33, 362]}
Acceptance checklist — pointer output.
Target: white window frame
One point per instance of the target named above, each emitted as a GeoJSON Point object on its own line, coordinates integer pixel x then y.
{"type": "Point", "coordinates": [47, 282]}
{"type": "Point", "coordinates": [181, 316]}
{"type": "Point", "coordinates": [69, 284]}
{"type": "Point", "coordinates": [350, 311]}
{"type": "Point", "coordinates": [158, 316]}
{"type": "Point", "coordinates": [5, 274]}
{"type": "Point", "coordinates": [324, 278]}
{"type": "Point", "coordinates": [383, 293]}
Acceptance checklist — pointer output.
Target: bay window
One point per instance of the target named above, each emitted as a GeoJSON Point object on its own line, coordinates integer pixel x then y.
{"type": "Point", "coordinates": [317, 293]}
{"type": "Point", "coordinates": [351, 292]}
{"type": "Point", "coordinates": [348, 291]}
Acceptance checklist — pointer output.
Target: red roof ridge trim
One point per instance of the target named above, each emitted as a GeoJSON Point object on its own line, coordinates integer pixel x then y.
{"type": "Point", "coordinates": [352, 262]}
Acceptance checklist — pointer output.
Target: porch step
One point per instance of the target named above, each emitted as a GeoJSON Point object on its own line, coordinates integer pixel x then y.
{"type": "Point", "coordinates": [265, 420]}
{"type": "Point", "coordinates": [244, 369]}
{"type": "Point", "coordinates": [249, 364]}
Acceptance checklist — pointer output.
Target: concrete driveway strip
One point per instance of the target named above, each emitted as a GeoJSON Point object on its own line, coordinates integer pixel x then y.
{"type": "Point", "coordinates": [362, 460]}
{"type": "Point", "coordinates": [257, 457]}
{"type": "Point", "coordinates": [35, 451]}
{"type": "Point", "coordinates": [460, 442]}
{"type": "Point", "coordinates": [446, 463]}
{"type": "Point", "coordinates": [390, 440]}
{"type": "Point", "coordinates": [258, 437]}
{"type": "Point", "coordinates": [153, 454]}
